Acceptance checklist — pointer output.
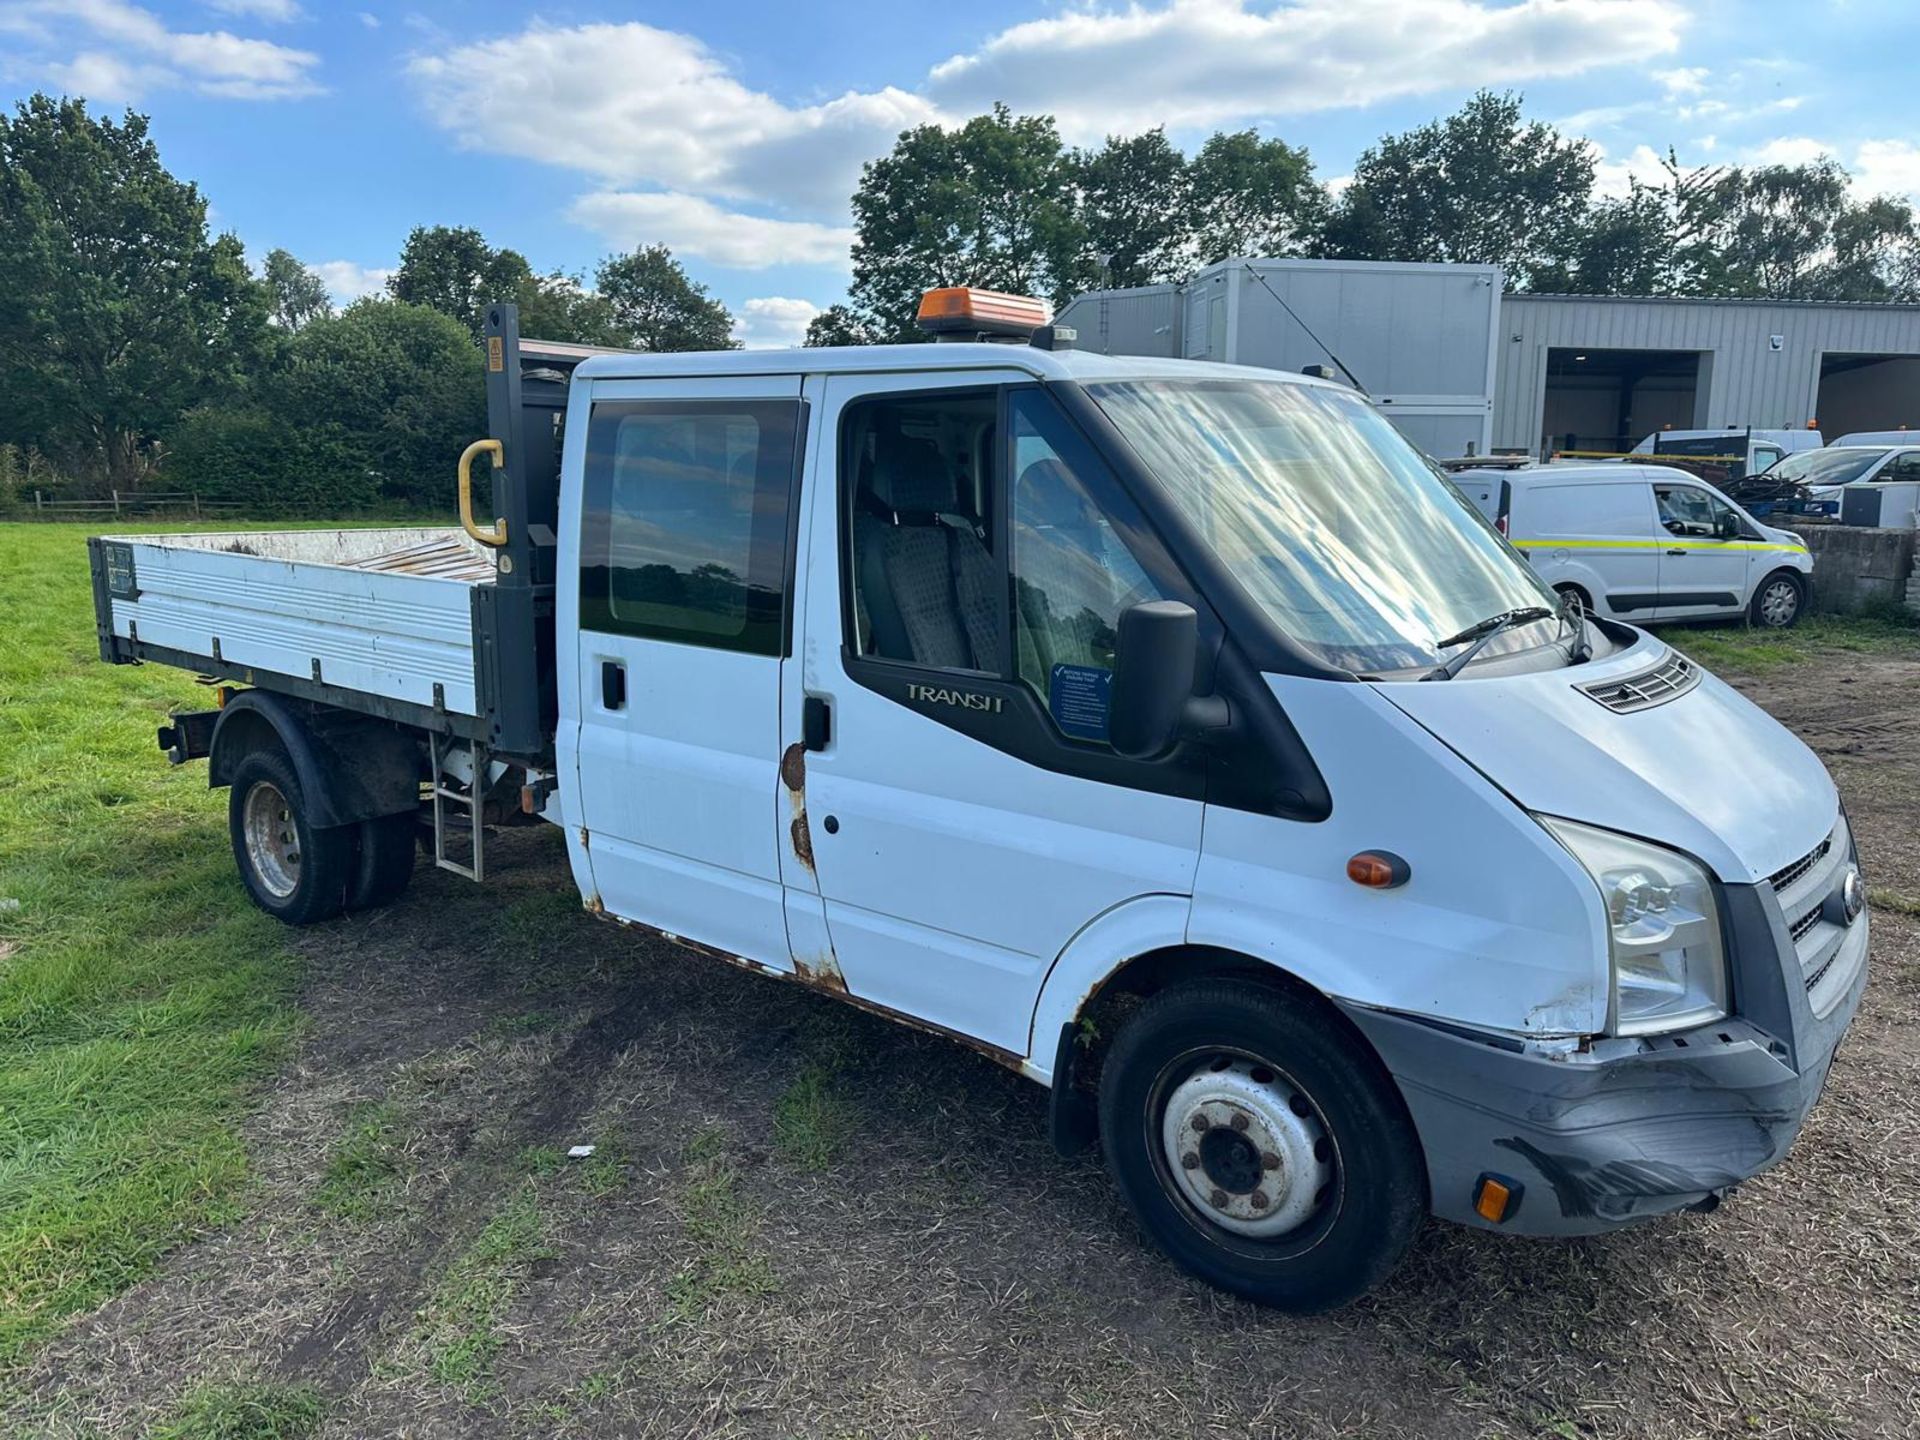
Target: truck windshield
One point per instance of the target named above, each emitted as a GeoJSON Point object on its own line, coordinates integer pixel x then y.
{"type": "Point", "coordinates": [1825, 467]}
{"type": "Point", "coordinates": [1355, 547]}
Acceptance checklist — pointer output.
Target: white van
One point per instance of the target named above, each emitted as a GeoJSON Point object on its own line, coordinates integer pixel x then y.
{"type": "Point", "coordinates": [1644, 542]}
{"type": "Point", "coordinates": [1167, 732]}
{"type": "Point", "coordinates": [1756, 451]}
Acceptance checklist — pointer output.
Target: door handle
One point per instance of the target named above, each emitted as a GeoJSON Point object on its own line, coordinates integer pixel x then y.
{"type": "Point", "coordinates": [1676, 552]}
{"type": "Point", "coordinates": [816, 723]}
{"type": "Point", "coordinates": [613, 685]}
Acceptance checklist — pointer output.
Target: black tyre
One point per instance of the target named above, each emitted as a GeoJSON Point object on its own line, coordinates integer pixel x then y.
{"type": "Point", "coordinates": [1778, 601]}
{"type": "Point", "coordinates": [293, 871]}
{"type": "Point", "coordinates": [1262, 1144]}
{"type": "Point", "coordinates": [383, 861]}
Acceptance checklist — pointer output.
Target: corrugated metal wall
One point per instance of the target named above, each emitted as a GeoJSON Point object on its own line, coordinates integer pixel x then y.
{"type": "Point", "coordinates": [1142, 321]}
{"type": "Point", "coordinates": [1743, 380]}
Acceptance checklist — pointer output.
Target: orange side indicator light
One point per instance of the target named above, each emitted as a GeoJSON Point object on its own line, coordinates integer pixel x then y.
{"type": "Point", "coordinates": [1378, 870]}
{"type": "Point", "coordinates": [1496, 1198]}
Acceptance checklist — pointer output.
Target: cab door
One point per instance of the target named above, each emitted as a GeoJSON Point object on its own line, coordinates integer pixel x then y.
{"type": "Point", "coordinates": [1705, 563]}
{"type": "Point", "coordinates": [679, 625]}
{"type": "Point", "coordinates": [964, 816]}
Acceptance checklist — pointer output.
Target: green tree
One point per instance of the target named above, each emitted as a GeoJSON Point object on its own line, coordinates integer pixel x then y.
{"type": "Point", "coordinates": [1481, 186]}
{"type": "Point", "coordinates": [1133, 206]}
{"type": "Point", "coordinates": [560, 307]}
{"type": "Point", "coordinates": [1875, 255]}
{"type": "Point", "coordinates": [656, 305]}
{"type": "Point", "coordinates": [295, 294]}
{"type": "Point", "coordinates": [390, 392]}
{"type": "Point", "coordinates": [988, 204]}
{"type": "Point", "coordinates": [1624, 246]}
{"type": "Point", "coordinates": [117, 311]}
{"type": "Point", "coordinates": [453, 270]}
{"type": "Point", "coordinates": [840, 325]}
{"type": "Point", "coordinates": [1253, 197]}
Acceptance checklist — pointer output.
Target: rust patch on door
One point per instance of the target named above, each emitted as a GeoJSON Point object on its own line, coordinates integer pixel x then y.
{"type": "Point", "coordinates": [822, 973]}
{"type": "Point", "coordinates": [793, 775]}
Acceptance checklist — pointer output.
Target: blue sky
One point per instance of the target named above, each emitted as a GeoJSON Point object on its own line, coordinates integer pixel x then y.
{"type": "Point", "coordinates": [734, 131]}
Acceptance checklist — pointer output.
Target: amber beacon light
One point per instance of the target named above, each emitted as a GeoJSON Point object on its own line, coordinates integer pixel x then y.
{"type": "Point", "coordinates": [965, 310]}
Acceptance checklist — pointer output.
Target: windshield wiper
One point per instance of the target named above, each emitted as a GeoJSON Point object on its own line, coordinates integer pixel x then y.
{"type": "Point", "coordinates": [1482, 632]}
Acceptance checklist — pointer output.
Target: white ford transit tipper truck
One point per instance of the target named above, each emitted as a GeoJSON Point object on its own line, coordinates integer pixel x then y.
{"type": "Point", "coordinates": [1170, 732]}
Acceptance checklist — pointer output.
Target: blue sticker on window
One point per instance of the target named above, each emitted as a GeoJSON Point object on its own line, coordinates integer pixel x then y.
{"type": "Point", "coordinates": [1077, 696]}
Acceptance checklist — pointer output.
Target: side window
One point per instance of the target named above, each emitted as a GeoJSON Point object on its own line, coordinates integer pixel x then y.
{"type": "Point", "coordinates": [925, 577]}
{"type": "Point", "coordinates": [1073, 573]}
{"type": "Point", "coordinates": [1904, 468]}
{"type": "Point", "coordinates": [1765, 457]}
{"type": "Point", "coordinates": [685, 521]}
{"type": "Point", "coordinates": [1685, 510]}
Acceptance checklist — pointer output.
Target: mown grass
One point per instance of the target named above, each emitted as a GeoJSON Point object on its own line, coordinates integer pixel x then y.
{"type": "Point", "coordinates": [1885, 630]}
{"type": "Point", "coordinates": [139, 992]}
{"type": "Point", "coordinates": [256, 1411]}
{"type": "Point", "coordinates": [461, 1328]}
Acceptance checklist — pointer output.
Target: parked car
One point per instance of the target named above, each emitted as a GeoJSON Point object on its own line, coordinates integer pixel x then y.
{"type": "Point", "coordinates": [1823, 473]}
{"type": "Point", "coordinates": [1167, 732]}
{"type": "Point", "coordinates": [1644, 542]}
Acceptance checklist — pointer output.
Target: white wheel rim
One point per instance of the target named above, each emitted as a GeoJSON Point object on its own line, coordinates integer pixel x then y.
{"type": "Point", "coordinates": [1779, 602]}
{"type": "Point", "coordinates": [273, 842]}
{"type": "Point", "coordinates": [1247, 1150]}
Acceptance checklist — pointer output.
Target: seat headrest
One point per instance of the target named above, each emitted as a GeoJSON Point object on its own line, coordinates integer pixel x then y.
{"type": "Point", "coordinates": [908, 474]}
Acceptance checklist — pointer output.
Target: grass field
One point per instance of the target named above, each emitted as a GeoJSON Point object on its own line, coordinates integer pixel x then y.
{"type": "Point", "coordinates": [139, 993]}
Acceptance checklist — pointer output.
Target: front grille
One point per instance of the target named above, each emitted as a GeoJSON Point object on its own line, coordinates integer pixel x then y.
{"type": "Point", "coordinates": [1783, 878]}
{"type": "Point", "coordinates": [1668, 680]}
{"type": "Point", "coordinates": [1803, 927]}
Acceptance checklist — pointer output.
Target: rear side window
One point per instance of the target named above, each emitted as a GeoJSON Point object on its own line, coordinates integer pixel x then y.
{"type": "Point", "coordinates": [684, 533]}
{"type": "Point", "coordinates": [1574, 510]}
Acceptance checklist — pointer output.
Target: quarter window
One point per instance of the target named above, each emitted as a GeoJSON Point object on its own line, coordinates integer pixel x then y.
{"type": "Point", "coordinates": [685, 521]}
{"type": "Point", "coordinates": [1685, 510]}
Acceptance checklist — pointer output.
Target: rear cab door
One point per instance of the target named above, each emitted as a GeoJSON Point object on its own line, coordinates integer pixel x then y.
{"type": "Point", "coordinates": [679, 497]}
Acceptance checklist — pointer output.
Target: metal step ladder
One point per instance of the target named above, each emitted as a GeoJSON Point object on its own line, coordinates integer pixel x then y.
{"type": "Point", "coordinates": [472, 798]}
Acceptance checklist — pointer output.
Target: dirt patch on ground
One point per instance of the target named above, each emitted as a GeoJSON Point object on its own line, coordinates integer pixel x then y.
{"type": "Point", "coordinates": [802, 1220]}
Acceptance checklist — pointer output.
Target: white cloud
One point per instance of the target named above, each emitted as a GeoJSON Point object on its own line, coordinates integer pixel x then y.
{"type": "Point", "coordinates": [773, 321]}
{"type": "Point", "coordinates": [107, 79]}
{"type": "Point", "coordinates": [1688, 80]}
{"type": "Point", "coordinates": [1788, 150]}
{"type": "Point", "coordinates": [1194, 63]}
{"type": "Point", "coordinates": [133, 45]}
{"type": "Point", "coordinates": [370, 20]}
{"type": "Point", "coordinates": [689, 225]}
{"type": "Point", "coordinates": [348, 280]}
{"type": "Point", "coordinates": [630, 103]}
{"type": "Point", "coordinates": [280, 12]}
{"type": "Point", "coordinates": [1613, 179]}
{"type": "Point", "coordinates": [1887, 167]}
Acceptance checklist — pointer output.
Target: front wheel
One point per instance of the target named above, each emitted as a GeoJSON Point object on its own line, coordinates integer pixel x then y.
{"type": "Point", "coordinates": [1261, 1144]}
{"type": "Point", "coordinates": [294, 871]}
{"type": "Point", "coordinates": [1779, 600]}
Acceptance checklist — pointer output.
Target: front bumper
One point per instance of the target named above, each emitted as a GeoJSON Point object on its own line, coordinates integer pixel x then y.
{"type": "Point", "coordinates": [1629, 1129]}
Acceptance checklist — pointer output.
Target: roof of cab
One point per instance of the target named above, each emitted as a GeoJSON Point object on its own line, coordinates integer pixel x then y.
{"type": "Point", "coordinates": [922, 358]}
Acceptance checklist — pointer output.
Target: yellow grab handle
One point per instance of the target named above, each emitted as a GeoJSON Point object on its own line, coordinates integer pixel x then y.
{"type": "Point", "coordinates": [498, 534]}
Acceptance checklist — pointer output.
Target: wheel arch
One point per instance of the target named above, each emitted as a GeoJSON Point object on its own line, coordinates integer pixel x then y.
{"type": "Point", "coordinates": [381, 778]}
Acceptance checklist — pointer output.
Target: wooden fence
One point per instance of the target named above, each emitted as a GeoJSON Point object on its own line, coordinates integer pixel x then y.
{"type": "Point", "coordinates": [129, 502]}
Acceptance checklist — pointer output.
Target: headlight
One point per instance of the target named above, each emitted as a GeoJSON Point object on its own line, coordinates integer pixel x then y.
{"type": "Point", "coordinates": [1669, 965]}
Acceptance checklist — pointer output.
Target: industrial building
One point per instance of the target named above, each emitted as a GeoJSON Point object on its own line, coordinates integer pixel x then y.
{"type": "Point", "coordinates": [1464, 366]}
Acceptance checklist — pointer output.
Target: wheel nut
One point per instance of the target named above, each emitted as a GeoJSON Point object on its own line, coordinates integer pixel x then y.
{"type": "Point", "coordinates": [1269, 1160]}
{"type": "Point", "coordinates": [1258, 1199]}
{"type": "Point", "coordinates": [1200, 1123]}
{"type": "Point", "coordinates": [1239, 1122]}
{"type": "Point", "coordinates": [1189, 1161]}
{"type": "Point", "coordinates": [1219, 1199]}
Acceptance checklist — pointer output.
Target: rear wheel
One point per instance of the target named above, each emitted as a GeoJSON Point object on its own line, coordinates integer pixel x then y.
{"type": "Point", "coordinates": [1779, 600]}
{"type": "Point", "coordinates": [294, 871]}
{"type": "Point", "coordinates": [1261, 1144]}
{"type": "Point", "coordinates": [383, 861]}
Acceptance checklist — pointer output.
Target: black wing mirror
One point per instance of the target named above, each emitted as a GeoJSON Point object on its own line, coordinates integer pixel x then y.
{"type": "Point", "coordinates": [1151, 703]}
